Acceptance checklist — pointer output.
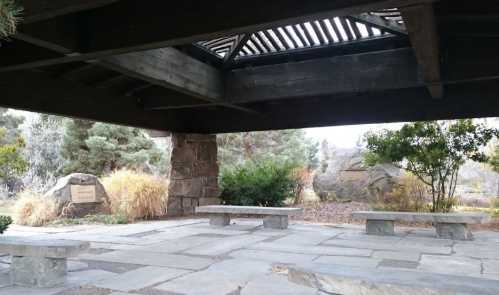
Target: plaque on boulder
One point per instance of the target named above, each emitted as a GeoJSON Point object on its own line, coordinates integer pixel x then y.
{"type": "Point", "coordinates": [79, 195]}
{"type": "Point", "coordinates": [83, 194]}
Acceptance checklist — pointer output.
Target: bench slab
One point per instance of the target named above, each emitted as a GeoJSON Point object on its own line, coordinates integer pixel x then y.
{"type": "Point", "coordinates": [42, 248]}
{"type": "Point", "coordinates": [467, 218]}
{"type": "Point", "coordinates": [448, 225]}
{"type": "Point", "coordinates": [276, 218]}
{"type": "Point", "coordinates": [40, 263]}
{"type": "Point", "coordinates": [251, 210]}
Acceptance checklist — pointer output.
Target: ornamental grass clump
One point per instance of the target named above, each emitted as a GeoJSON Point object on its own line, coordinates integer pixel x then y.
{"type": "Point", "coordinates": [10, 15]}
{"type": "Point", "coordinates": [136, 195]}
{"type": "Point", "coordinates": [33, 209]}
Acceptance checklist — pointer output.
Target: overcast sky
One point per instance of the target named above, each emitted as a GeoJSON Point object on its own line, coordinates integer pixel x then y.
{"type": "Point", "coordinates": [348, 136]}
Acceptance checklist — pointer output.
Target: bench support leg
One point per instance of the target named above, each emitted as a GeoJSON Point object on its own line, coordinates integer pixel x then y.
{"type": "Point", "coordinates": [38, 271]}
{"type": "Point", "coordinates": [455, 231]}
{"type": "Point", "coordinates": [219, 219]}
{"type": "Point", "coordinates": [380, 227]}
{"type": "Point", "coordinates": [275, 221]}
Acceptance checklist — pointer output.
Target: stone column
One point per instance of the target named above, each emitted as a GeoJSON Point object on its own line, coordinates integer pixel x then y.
{"type": "Point", "coordinates": [194, 173]}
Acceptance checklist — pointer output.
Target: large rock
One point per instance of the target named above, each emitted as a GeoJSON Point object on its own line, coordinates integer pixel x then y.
{"type": "Point", "coordinates": [79, 195]}
{"type": "Point", "coordinates": [348, 179]}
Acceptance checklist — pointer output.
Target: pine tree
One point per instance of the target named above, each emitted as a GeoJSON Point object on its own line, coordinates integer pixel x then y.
{"type": "Point", "coordinates": [280, 146]}
{"type": "Point", "coordinates": [99, 148]}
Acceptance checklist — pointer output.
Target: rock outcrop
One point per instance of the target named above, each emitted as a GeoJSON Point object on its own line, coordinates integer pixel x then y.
{"type": "Point", "coordinates": [348, 179]}
{"type": "Point", "coordinates": [80, 194]}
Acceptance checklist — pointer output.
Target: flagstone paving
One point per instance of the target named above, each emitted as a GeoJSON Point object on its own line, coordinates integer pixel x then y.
{"type": "Point", "coordinates": [187, 256]}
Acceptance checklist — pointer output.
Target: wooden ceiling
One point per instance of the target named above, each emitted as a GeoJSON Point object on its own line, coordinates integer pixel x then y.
{"type": "Point", "coordinates": [212, 66]}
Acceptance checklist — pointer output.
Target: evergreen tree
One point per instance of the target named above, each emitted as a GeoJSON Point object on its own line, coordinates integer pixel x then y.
{"type": "Point", "coordinates": [100, 148]}
{"type": "Point", "coordinates": [12, 163]}
{"type": "Point", "coordinates": [494, 159]}
{"type": "Point", "coordinates": [278, 146]}
{"type": "Point", "coordinates": [10, 123]}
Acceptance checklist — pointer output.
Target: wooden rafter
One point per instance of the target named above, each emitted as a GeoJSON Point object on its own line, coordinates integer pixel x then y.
{"type": "Point", "coordinates": [422, 28]}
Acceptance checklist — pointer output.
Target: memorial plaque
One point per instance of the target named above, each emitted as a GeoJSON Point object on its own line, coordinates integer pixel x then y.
{"type": "Point", "coordinates": [83, 194]}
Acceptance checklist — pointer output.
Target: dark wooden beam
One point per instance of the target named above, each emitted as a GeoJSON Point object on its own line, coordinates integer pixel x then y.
{"type": "Point", "coordinates": [170, 68]}
{"type": "Point", "coordinates": [38, 92]}
{"type": "Point", "coordinates": [128, 25]}
{"type": "Point", "coordinates": [392, 69]}
{"type": "Point", "coordinates": [470, 100]}
{"type": "Point", "coordinates": [37, 10]}
{"type": "Point", "coordinates": [345, 48]}
{"type": "Point", "coordinates": [166, 67]}
{"type": "Point", "coordinates": [422, 28]}
{"type": "Point", "coordinates": [385, 25]}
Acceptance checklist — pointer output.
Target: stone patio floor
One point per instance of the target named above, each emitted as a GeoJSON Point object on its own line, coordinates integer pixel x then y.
{"type": "Point", "coordinates": [187, 256]}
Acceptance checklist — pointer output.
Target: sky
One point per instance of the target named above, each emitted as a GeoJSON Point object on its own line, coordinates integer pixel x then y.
{"type": "Point", "coordinates": [349, 136]}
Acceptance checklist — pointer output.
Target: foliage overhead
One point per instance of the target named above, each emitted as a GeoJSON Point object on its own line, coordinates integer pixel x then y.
{"type": "Point", "coordinates": [10, 15]}
{"type": "Point", "coordinates": [266, 184]}
{"type": "Point", "coordinates": [432, 151]}
{"type": "Point", "coordinates": [279, 146]}
{"type": "Point", "coordinates": [99, 148]}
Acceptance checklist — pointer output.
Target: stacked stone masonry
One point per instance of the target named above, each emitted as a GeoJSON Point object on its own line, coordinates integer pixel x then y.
{"type": "Point", "coordinates": [194, 173]}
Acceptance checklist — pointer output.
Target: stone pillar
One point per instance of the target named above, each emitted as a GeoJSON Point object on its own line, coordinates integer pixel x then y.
{"type": "Point", "coordinates": [194, 173]}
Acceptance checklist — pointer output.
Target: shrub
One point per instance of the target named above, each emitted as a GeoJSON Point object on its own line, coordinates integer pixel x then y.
{"type": "Point", "coordinates": [410, 194]}
{"type": "Point", "coordinates": [136, 195]}
{"type": "Point", "coordinates": [264, 184]}
{"type": "Point", "coordinates": [35, 210]}
{"type": "Point", "coordinates": [494, 203]}
{"type": "Point", "coordinates": [5, 221]}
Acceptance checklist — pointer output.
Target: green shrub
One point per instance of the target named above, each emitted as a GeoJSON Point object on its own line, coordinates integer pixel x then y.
{"type": "Point", "coordinates": [5, 221]}
{"type": "Point", "coordinates": [494, 203]}
{"type": "Point", "coordinates": [266, 184]}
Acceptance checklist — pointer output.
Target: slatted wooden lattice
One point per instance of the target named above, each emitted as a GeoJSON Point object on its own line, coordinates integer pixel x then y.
{"type": "Point", "coordinates": [310, 34]}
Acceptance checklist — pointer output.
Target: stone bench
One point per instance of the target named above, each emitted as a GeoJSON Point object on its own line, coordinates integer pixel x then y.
{"type": "Point", "coordinates": [448, 225]}
{"type": "Point", "coordinates": [40, 263]}
{"type": "Point", "coordinates": [273, 217]}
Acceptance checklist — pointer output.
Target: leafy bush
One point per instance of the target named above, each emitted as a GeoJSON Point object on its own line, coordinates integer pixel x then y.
{"type": "Point", "coordinates": [35, 210]}
{"type": "Point", "coordinates": [136, 195]}
{"type": "Point", "coordinates": [5, 221]}
{"type": "Point", "coordinates": [266, 184]}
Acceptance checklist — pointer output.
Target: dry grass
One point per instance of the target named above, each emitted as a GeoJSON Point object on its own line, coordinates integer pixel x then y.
{"type": "Point", "coordinates": [34, 210]}
{"type": "Point", "coordinates": [136, 195]}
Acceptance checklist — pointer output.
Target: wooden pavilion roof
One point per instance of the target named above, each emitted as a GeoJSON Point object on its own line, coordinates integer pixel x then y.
{"type": "Point", "coordinates": [214, 66]}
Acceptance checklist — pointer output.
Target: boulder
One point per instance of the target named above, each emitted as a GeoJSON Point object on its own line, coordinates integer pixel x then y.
{"type": "Point", "coordinates": [79, 195]}
{"type": "Point", "coordinates": [348, 179]}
